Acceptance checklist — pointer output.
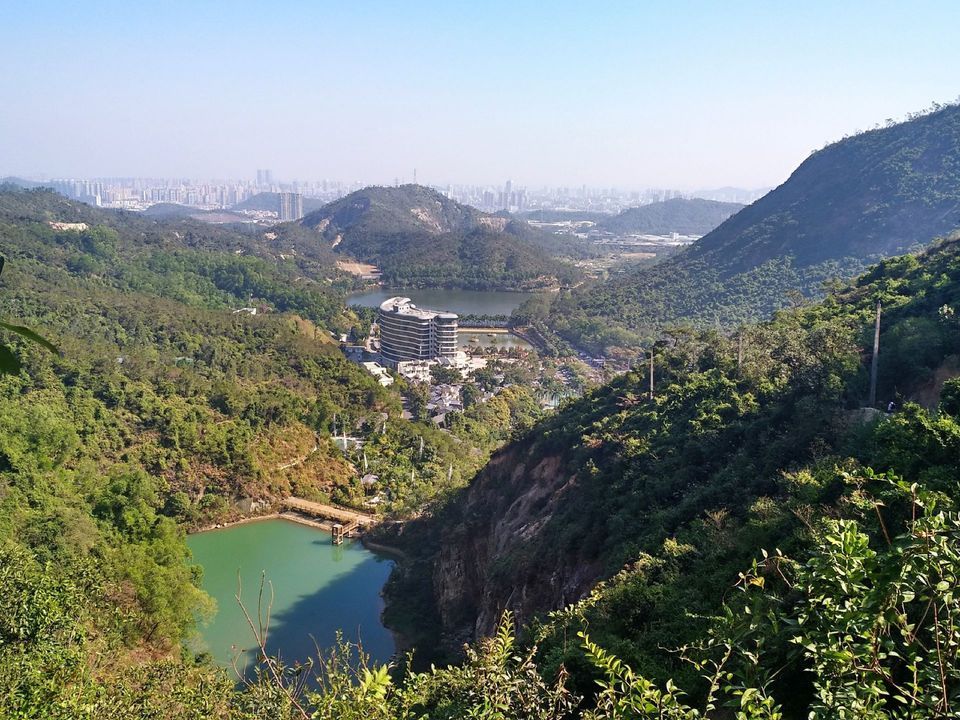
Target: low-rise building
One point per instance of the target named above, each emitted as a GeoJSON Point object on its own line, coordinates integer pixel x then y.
{"type": "Point", "coordinates": [379, 372]}
{"type": "Point", "coordinates": [416, 370]}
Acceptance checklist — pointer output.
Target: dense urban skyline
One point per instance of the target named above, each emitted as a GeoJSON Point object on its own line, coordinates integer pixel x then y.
{"type": "Point", "coordinates": [691, 96]}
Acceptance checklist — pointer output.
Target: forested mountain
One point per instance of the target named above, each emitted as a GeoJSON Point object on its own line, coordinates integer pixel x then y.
{"type": "Point", "coordinates": [416, 236]}
{"type": "Point", "coordinates": [686, 216]}
{"type": "Point", "coordinates": [287, 245]}
{"type": "Point", "coordinates": [750, 443]}
{"type": "Point", "coordinates": [149, 319]}
{"type": "Point", "coordinates": [20, 183]}
{"type": "Point", "coordinates": [164, 406]}
{"type": "Point", "coordinates": [167, 407]}
{"type": "Point", "coordinates": [865, 197]}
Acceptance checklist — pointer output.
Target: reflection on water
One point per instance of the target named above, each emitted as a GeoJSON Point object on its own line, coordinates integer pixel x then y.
{"type": "Point", "coordinates": [318, 588]}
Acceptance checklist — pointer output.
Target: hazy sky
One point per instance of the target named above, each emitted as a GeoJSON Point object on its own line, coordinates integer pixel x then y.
{"type": "Point", "coordinates": [633, 94]}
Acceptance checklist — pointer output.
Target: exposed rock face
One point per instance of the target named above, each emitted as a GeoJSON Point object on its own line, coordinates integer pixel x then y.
{"type": "Point", "coordinates": [429, 219]}
{"type": "Point", "coordinates": [485, 567]}
{"type": "Point", "coordinates": [493, 222]}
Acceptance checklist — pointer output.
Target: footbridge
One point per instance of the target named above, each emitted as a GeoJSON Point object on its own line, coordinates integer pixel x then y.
{"type": "Point", "coordinates": [347, 523]}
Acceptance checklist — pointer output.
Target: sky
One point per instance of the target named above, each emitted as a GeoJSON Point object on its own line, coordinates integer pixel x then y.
{"type": "Point", "coordinates": [649, 93]}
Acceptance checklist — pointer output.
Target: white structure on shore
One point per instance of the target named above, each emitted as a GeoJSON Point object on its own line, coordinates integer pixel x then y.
{"type": "Point", "coordinates": [379, 372]}
{"type": "Point", "coordinates": [411, 333]}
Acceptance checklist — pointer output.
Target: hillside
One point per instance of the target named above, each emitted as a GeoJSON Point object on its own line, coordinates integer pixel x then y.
{"type": "Point", "coordinates": [165, 407]}
{"type": "Point", "coordinates": [668, 500]}
{"type": "Point", "coordinates": [865, 197]}
{"type": "Point", "coordinates": [418, 237]}
{"type": "Point", "coordinates": [270, 202]}
{"type": "Point", "coordinates": [693, 216]}
{"type": "Point", "coordinates": [19, 183]}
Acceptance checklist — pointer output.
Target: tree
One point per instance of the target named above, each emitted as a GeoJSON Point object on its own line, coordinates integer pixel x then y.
{"type": "Point", "coordinates": [9, 362]}
{"type": "Point", "coordinates": [442, 375]}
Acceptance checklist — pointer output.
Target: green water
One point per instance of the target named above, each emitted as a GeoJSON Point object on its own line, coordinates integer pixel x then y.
{"type": "Point", "coordinates": [464, 302]}
{"type": "Point", "coordinates": [318, 589]}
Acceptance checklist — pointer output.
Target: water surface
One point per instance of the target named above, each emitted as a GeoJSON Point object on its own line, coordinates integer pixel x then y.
{"type": "Point", "coordinates": [318, 589]}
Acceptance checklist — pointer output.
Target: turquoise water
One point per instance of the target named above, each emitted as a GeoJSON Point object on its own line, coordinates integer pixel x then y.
{"type": "Point", "coordinates": [318, 589]}
{"type": "Point", "coordinates": [464, 302]}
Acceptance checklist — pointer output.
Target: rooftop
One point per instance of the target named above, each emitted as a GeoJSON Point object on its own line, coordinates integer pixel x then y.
{"type": "Point", "coordinates": [404, 306]}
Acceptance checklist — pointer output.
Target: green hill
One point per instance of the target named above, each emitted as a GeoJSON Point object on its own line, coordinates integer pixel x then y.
{"type": "Point", "coordinates": [416, 236]}
{"type": "Point", "coordinates": [750, 540]}
{"type": "Point", "coordinates": [666, 501]}
{"type": "Point", "coordinates": [865, 197]}
{"type": "Point", "coordinates": [18, 182]}
{"type": "Point", "coordinates": [165, 410]}
{"type": "Point", "coordinates": [686, 216]}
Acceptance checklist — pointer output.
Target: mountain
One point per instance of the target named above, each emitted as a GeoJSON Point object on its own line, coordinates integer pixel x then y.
{"type": "Point", "coordinates": [19, 182]}
{"type": "Point", "coordinates": [270, 202]}
{"type": "Point", "coordinates": [686, 216]}
{"type": "Point", "coordinates": [166, 409]}
{"type": "Point", "coordinates": [637, 515]}
{"type": "Point", "coordinates": [801, 549]}
{"type": "Point", "coordinates": [419, 237]}
{"type": "Point", "coordinates": [860, 199]}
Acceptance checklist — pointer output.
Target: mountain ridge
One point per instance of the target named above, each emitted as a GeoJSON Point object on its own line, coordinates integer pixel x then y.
{"type": "Point", "coordinates": [686, 216]}
{"type": "Point", "coordinates": [616, 487]}
{"type": "Point", "coordinates": [418, 236]}
{"type": "Point", "coordinates": [869, 196]}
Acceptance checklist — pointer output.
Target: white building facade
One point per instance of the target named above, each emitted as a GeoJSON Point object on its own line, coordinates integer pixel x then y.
{"type": "Point", "coordinates": [411, 333]}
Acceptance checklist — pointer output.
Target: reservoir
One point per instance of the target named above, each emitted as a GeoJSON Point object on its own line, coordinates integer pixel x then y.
{"type": "Point", "coordinates": [318, 588]}
{"type": "Point", "coordinates": [462, 302]}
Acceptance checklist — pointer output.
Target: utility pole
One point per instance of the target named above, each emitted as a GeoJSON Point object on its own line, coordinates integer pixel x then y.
{"type": "Point", "coordinates": [875, 363]}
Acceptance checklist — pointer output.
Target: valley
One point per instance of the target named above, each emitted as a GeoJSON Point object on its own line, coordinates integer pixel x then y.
{"type": "Point", "coordinates": [606, 481]}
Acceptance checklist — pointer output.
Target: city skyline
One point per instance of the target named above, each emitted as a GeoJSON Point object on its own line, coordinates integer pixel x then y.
{"type": "Point", "coordinates": [287, 199]}
{"type": "Point", "coordinates": [687, 97]}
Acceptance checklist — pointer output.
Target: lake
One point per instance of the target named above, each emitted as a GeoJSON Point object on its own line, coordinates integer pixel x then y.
{"type": "Point", "coordinates": [463, 302]}
{"type": "Point", "coordinates": [319, 588]}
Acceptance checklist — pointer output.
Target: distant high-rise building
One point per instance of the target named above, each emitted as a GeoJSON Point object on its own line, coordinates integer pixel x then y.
{"type": "Point", "coordinates": [290, 206]}
{"type": "Point", "coordinates": [264, 178]}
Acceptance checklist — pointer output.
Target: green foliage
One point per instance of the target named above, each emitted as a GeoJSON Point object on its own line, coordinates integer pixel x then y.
{"type": "Point", "coordinates": [9, 362]}
{"type": "Point", "coordinates": [880, 193]}
{"type": "Point", "coordinates": [742, 447]}
{"type": "Point", "coordinates": [686, 216]}
{"type": "Point", "coordinates": [950, 397]}
{"type": "Point", "coordinates": [419, 238]}
{"type": "Point", "coordinates": [163, 410]}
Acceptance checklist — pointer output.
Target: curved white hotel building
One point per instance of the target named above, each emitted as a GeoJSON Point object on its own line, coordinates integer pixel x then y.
{"type": "Point", "coordinates": [411, 333]}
